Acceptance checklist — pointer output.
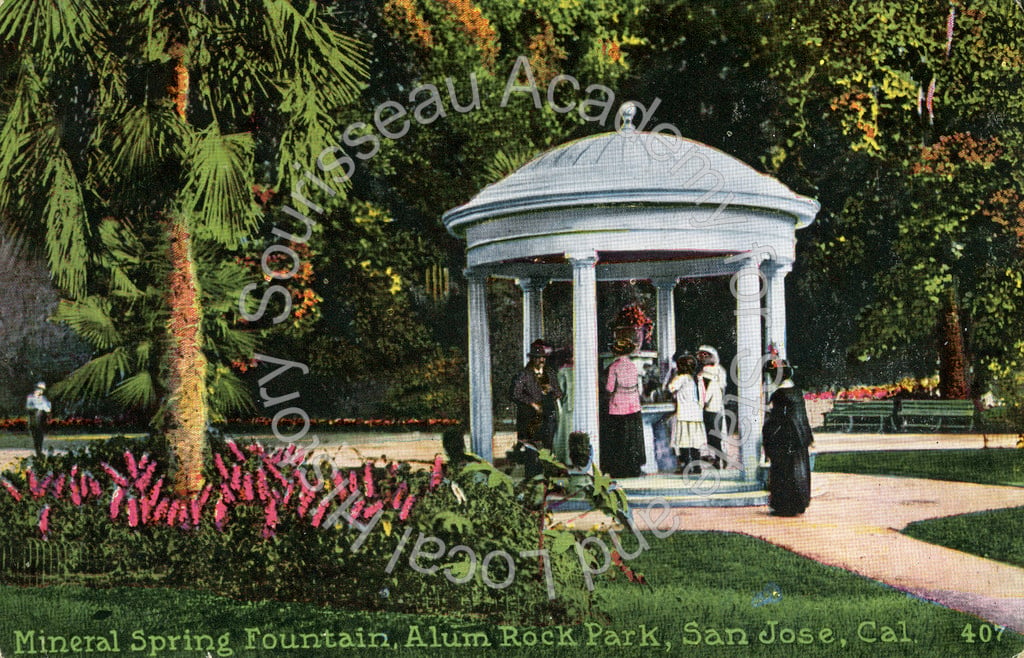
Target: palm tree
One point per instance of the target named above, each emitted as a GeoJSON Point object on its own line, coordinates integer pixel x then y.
{"type": "Point", "coordinates": [160, 116]}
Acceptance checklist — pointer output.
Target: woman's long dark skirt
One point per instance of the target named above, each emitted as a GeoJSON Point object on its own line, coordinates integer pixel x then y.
{"type": "Point", "coordinates": [622, 445]}
{"type": "Point", "coordinates": [789, 481]}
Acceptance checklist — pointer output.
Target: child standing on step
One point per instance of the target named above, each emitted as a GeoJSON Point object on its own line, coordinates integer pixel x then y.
{"type": "Point", "coordinates": [688, 435]}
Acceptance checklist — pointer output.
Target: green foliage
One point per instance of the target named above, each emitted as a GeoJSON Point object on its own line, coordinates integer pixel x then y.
{"type": "Point", "coordinates": [249, 536]}
{"type": "Point", "coordinates": [130, 116]}
{"type": "Point", "coordinates": [908, 138]}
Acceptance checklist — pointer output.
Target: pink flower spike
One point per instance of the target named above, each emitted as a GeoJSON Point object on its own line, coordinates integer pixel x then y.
{"type": "Point", "coordinates": [133, 512]}
{"type": "Point", "coordinates": [318, 516]}
{"type": "Point", "coordinates": [41, 491]}
{"type": "Point", "coordinates": [44, 520]}
{"type": "Point", "coordinates": [396, 502]}
{"type": "Point", "coordinates": [160, 511]}
{"type": "Point", "coordinates": [247, 493]}
{"type": "Point", "coordinates": [33, 483]}
{"type": "Point", "coordinates": [76, 498]}
{"type": "Point", "coordinates": [94, 486]}
{"type": "Point", "coordinates": [277, 474]}
{"type": "Point", "coordinates": [950, 25]}
{"type": "Point", "coordinates": [218, 461]}
{"type": "Point", "coordinates": [144, 460]}
{"type": "Point", "coordinates": [172, 512]}
{"type": "Point", "coordinates": [262, 488]}
{"type": "Point", "coordinates": [205, 495]}
{"type": "Point", "coordinates": [353, 486]}
{"type": "Point", "coordinates": [236, 477]}
{"type": "Point", "coordinates": [272, 519]}
{"type": "Point", "coordinates": [357, 508]}
{"type": "Point", "coordinates": [154, 493]}
{"type": "Point", "coordinates": [929, 101]}
{"type": "Point", "coordinates": [142, 482]}
{"type": "Point", "coordinates": [435, 472]}
{"type": "Point", "coordinates": [368, 480]}
{"type": "Point", "coordinates": [304, 500]}
{"type": "Point", "coordinates": [74, 471]}
{"type": "Point", "coordinates": [406, 508]}
{"type": "Point", "coordinates": [235, 451]}
{"type": "Point", "coordinates": [220, 513]}
{"type": "Point", "coordinates": [115, 502]}
{"type": "Point", "coordinates": [373, 509]}
{"type": "Point", "coordinates": [114, 475]}
{"type": "Point", "coordinates": [11, 489]}
{"type": "Point", "coordinates": [133, 468]}
{"type": "Point", "coordinates": [145, 508]}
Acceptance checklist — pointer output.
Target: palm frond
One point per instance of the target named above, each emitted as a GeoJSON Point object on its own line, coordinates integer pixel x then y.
{"type": "Point", "coordinates": [306, 44]}
{"type": "Point", "coordinates": [136, 392]}
{"type": "Point", "coordinates": [67, 226]}
{"type": "Point", "coordinates": [217, 196]}
{"type": "Point", "coordinates": [229, 394]}
{"type": "Point", "coordinates": [52, 27]}
{"type": "Point", "coordinates": [95, 379]}
{"type": "Point", "coordinates": [91, 319]}
{"type": "Point", "coordinates": [26, 143]}
{"type": "Point", "coordinates": [144, 138]}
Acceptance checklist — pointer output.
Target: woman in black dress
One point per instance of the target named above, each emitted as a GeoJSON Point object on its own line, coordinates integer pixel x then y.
{"type": "Point", "coordinates": [786, 437]}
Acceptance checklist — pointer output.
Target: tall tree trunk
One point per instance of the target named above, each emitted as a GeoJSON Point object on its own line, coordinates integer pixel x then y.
{"type": "Point", "coordinates": [952, 355]}
{"type": "Point", "coordinates": [187, 407]}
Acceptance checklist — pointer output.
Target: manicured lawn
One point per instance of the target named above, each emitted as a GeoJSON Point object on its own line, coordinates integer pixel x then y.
{"type": "Point", "coordinates": [703, 588]}
{"type": "Point", "coordinates": [997, 535]}
{"type": "Point", "coordinates": [993, 466]}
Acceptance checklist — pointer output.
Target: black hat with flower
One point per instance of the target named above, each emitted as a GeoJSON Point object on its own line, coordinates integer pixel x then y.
{"type": "Point", "coordinates": [775, 366]}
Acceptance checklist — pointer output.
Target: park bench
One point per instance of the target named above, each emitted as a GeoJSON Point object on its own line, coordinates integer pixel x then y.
{"type": "Point", "coordinates": [932, 414]}
{"type": "Point", "coordinates": [870, 414]}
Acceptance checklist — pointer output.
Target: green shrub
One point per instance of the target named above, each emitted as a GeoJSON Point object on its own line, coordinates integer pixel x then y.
{"type": "Point", "coordinates": [266, 527]}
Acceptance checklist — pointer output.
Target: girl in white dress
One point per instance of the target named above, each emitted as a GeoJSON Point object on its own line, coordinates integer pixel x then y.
{"type": "Point", "coordinates": [688, 435]}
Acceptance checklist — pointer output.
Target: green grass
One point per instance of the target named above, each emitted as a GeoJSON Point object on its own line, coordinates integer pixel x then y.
{"type": "Point", "coordinates": [992, 466]}
{"type": "Point", "coordinates": [997, 535]}
{"type": "Point", "coordinates": [700, 584]}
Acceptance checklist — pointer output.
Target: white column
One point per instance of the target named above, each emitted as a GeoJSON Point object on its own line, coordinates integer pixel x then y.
{"type": "Point", "coordinates": [747, 287]}
{"type": "Point", "coordinates": [481, 420]}
{"type": "Point", "coordinates": [775, 301]}
{"type": "Point", "coordinates": [584, 333]}
{"type": "Point", "coordinates": [533, 312]}
{"type": "Point", "coordinates": [665, 324]}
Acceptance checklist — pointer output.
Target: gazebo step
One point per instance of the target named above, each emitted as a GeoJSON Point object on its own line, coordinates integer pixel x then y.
{"type": "Point", "coordinates": [677, 491]}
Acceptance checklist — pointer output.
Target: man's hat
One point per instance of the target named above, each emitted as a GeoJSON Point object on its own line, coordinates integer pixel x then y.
{"type": "Point", "coordinates": [539, 348]}
{"type": "Point", "coordinates": [41, 386]}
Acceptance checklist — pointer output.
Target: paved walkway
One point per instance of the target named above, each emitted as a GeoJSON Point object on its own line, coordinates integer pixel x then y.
{"type": "Point", "coordinates": [854, 521]}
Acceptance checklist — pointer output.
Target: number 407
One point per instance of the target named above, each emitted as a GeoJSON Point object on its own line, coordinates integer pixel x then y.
{"type": "Point", "coordinates": [986, 633]}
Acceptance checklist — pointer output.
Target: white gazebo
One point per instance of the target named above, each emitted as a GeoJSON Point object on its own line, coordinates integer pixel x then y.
{"type": "Point", "coordinates": [631, 205]}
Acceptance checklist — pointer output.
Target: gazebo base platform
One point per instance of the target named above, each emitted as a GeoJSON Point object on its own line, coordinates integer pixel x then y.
{"type": "Point", "coordinates": [683, 491]}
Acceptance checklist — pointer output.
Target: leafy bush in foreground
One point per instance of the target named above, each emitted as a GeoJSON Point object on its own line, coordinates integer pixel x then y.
{"type": "Point", "coordinates": [266, 526]}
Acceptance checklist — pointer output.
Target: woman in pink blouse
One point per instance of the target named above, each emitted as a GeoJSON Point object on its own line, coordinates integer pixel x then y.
{"type": "Point", "coordinates": [622, 441]}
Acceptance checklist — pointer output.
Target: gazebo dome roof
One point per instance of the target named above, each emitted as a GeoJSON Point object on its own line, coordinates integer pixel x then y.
{"type": "Point", "coordinates": [628, 167]}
